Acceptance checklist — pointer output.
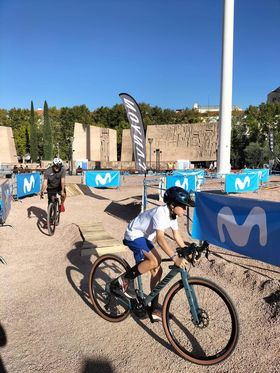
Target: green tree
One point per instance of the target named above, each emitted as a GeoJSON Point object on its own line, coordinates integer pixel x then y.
{"type": "Point", "coordinates": [239, 141]}
{"type": "Point", "coordinates": [19, 120]}
{"type": "Point", "coordinates": [67, 118]}
{"type": "Point", "coordinates": [254, 155]}
{"type": "Point", "coordinates": [4, 118]}
{"type": "Point", "coordinates": [47, 134]}
{"type": "Point", "coordinates": [57, 132]}
{"type": "Point", "coordinates": [33, 136]}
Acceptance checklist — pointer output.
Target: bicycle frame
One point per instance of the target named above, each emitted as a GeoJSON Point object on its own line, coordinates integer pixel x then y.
{"type": "Point", "coordinates": [190, 293]}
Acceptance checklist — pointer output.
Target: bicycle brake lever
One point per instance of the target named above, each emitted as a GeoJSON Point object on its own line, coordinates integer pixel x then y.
{"type": "Point", "coordinates": [193, 258]}
{"type": "Point", "coordinates": [198, 255]}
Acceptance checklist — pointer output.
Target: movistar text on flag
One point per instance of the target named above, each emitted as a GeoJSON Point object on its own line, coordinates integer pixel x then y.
{"type": "Point", "coordinates": [247, 226]}
{"type": "Point", "coordinates": [136, 130]}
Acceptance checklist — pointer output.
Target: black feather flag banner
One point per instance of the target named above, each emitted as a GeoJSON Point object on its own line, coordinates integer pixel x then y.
{"type": "Point", "coordinates": [136, 130]}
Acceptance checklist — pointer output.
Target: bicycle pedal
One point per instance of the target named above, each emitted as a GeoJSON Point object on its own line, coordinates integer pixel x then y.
{"type": "Point", "coordinates": [138, 308]}
{"type": "Point", "coordinates": [149, 312]}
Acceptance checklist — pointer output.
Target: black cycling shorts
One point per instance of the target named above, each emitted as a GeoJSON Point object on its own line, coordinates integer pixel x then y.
{"type": "Point", "coordinates": [53, 193]}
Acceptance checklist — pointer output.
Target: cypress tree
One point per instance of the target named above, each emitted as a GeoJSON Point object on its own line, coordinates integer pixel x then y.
{"type": "Point", "coordinates": [47, 134]}
{"type": "Point", "coordinates": [33, 136]}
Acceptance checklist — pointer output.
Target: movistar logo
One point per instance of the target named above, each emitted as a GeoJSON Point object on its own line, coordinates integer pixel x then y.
{"type": "Point", "coordinates": [240, 234]}
{"type": "Point", "coordinates": [239, 184]}
{"type": "Point", "coordinates": [100, 180]}
{"type": "Point", "coordinates": [28, 185]}
{"type": "Point", "coordinates": [184, 184]}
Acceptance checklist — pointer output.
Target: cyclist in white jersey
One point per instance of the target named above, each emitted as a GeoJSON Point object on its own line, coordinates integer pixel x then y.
{"type": "Point", "coordinates": [143, 229]}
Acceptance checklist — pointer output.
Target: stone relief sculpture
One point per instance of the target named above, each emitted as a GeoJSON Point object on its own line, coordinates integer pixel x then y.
{"type": "Point", "coordinates": [104, 139]}
{"type": "Point", "coordinates": [194, 141]}
{"type": "Point", "coordinates": [94, 143]}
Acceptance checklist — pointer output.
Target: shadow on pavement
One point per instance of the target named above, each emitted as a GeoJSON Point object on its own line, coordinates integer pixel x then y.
{"type": "Point", "coordinates": [155, 336]}
{"type": "Point", "coordinates": [41, 216]}
{"type": "Point", "coordinates": [97, 366]}
{"type": "Point", "coordinates": [123, 212]}
{"type": "Point", "coordinates": [82, 265]}
{"type": "Point", "coordinates": [3, 342]}
{"type": "Point", "coordinates": [87, 192]}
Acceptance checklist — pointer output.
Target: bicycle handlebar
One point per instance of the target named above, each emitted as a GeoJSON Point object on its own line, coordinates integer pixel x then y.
{"type": "Point", "coordinates": [193, 252]}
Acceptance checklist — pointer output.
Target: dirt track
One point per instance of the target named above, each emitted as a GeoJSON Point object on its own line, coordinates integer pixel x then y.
{"type": "Point", "coordinates": [49, 322]}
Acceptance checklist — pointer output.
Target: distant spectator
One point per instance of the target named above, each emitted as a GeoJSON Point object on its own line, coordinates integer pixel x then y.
{"type": "Point", "coordinates": [20, 169]}
{"type": "Point", "coordinates": [169, 165]}
{"type": "Point", "coordinates": [15, 169]}
{"type": "Point", "coordinates": [27, 169]}
{"type": "Point", "coordinates": [79, 170]}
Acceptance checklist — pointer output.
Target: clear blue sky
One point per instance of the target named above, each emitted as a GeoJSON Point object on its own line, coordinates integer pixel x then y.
{"type": "Point", "coordinates": [162, 52]}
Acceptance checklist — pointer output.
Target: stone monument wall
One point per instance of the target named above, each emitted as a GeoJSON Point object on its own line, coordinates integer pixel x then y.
{"type": "Point", "coordinates": [8, 153]}
{"type": "Point", "coordinates": [126, 154]}
{"type": "Point", "coordinates": [195, 141]}
{"type": "Point", "coordinates": [80, 145]}
{"type": "Point", "coordinates": [94, 143]}
{"type": "Point", "coordinates": [112, 145]}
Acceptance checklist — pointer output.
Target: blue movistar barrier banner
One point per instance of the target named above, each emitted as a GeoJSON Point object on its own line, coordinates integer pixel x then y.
{"type": "Point", "coordinates": [239, 183]}
{"type": "Point", "coordinates": [247, 226]}
{"type": "Point", "coordinates": [83, 163]}
{"type": "Point", "coordinates": [187, 182]}
{"type": "Point", "coordinates": [103, 179]}
{"type": "Point", "coordinates": [200, 174]}
{"type": "Point", "coordinates": [263, 173]}
{"type": "Point", "coordinates": [6, 198]}
{"type": "Point", "coordinates": [28, 184]}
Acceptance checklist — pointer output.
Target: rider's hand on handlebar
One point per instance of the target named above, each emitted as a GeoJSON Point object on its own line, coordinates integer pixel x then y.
{"type": "Point", "coordinates": [180, 262]}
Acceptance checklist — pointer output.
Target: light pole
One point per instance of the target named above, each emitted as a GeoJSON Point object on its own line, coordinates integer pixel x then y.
{"type": "Point", "coordinates": [158, 153]}
{"type": "Point", "coordinates": [223, 161]}
{"type": "Point", "coordinates": [150, 142]}
{"type": "Point", "coordinates": [71, 139]}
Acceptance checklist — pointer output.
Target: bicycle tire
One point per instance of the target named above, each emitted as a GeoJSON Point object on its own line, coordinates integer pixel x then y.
{"type": "Point", "coordinates": [186, 343]}
{"type": "Point", "coordinates": [57, 220]}
{"type": "Point", "coordinates": [118, 266]}
{"type": "Point", "coordinates": [51, 218]}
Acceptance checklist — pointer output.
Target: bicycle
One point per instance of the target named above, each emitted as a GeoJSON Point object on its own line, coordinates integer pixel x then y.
{"type": "Point", "coordinates": [203, 336]}
{"type": "Point", "coordinates": [53, 215]}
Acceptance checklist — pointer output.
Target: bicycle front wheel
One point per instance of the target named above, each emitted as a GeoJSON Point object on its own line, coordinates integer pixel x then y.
{"type": "Point", "coordinates": [51, 218]}
{"type": "Point", "coordinates": [105, 269]}
{"type": "Point", "coordinates": [216, 335]}
{"type": "Point", "coordinates": [57, 215]}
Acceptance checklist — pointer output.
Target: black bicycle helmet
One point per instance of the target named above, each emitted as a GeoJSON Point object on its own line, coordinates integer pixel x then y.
{"type": "Point", "coordinates": [177, 196]}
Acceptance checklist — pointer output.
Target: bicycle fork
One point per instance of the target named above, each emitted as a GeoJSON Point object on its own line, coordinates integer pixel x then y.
{"type": "Point", "coordinates": [190, 293]}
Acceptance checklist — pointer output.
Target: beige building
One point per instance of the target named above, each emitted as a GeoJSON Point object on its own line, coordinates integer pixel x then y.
{"type": "Point", "coordinates": [274, 96]}
{"type": "Point", "coordinates": [94, 143]}
{"type": "Point", "coordinates": [8, 153]}
{"type": "Point", "coordinates": [212, 108]}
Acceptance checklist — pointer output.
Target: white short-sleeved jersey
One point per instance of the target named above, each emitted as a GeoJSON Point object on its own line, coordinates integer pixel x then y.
{"type": "Point", "coordinates": [146, 223]}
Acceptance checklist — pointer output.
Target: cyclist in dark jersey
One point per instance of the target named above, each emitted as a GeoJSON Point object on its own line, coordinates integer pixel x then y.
{"type": "Point", "coordinates": [54, 182]}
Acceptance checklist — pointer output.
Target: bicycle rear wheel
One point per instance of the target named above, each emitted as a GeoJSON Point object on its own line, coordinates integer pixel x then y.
{"type": "Point", "coordinates": [216, 336]}
{"type": "Point", "coordinates": [51, 218]}
{"type": "Point", "coordinates": [105, 269]}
